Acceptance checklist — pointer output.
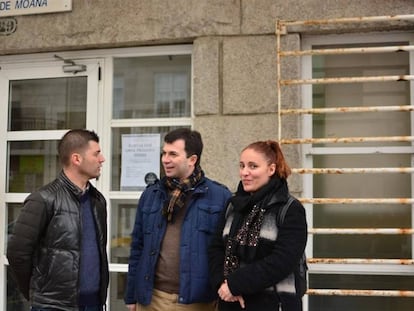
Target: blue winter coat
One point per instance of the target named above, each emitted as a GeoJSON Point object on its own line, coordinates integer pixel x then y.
{"type": "Point", "coordinates": [207, 201]}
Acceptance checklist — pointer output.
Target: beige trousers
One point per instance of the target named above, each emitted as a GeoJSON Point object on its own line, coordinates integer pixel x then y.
{"type": "Point", "coordinates": [162, 301]}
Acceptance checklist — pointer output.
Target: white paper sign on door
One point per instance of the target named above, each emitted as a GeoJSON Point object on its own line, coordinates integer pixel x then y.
{"type": "Point", "coordinates": [140, 160]}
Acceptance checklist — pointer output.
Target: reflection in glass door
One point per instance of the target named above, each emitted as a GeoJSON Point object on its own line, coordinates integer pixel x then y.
{"type": "Point", "coordinates": [38, 105]}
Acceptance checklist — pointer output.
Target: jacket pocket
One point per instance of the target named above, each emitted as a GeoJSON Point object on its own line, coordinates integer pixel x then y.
{"type": "Point", "coordinates": [208, 216]}
{"type": "Point", "coordinates": [150, 220]}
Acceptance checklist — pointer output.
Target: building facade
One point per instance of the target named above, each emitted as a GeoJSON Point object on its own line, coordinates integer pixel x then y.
{"type": "Point", "coordinates": [330, 79]}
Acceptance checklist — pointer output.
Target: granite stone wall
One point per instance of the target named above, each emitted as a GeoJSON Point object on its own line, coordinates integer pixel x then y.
{"type": "Point", "coordinates": [234, 58]}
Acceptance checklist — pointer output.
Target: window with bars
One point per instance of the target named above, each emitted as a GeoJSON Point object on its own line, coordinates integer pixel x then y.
{"type": "Point", "coordinates": [356, 146]}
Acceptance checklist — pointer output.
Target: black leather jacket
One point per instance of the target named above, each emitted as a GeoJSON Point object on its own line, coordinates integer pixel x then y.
{"type": "Point", "coordinates": [44, 248]}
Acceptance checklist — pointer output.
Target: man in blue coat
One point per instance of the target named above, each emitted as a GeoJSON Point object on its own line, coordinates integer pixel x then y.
{"type": "Point", "coordinates": [175, 221]}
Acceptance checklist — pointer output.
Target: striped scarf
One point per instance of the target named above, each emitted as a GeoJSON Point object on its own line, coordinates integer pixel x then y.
{"type": "Point", "coordinates": [178, 191]}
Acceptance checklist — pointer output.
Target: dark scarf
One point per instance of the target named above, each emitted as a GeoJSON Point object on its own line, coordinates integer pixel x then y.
{"type": "Point", "coordinates": [251, 208]}
{"type": "Point", "coordinates": [178, 191]}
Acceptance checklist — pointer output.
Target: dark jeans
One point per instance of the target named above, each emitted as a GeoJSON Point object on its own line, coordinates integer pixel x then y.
{"type": "Point", "coordinates": [89, 308]}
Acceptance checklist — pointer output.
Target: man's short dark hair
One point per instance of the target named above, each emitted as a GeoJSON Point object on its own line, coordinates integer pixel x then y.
{"type": "Point", "coordinates": [74, 141]}
{"type": "Point", "coordinates": [192, 141]}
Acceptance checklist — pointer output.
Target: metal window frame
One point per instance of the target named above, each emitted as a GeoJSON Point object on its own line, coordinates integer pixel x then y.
{"type": "Point", "coordinates": [346, 265]}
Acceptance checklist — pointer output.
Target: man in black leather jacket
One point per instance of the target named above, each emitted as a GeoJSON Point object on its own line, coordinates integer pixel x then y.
{"type": "Point", "coordinates": [57, 250]}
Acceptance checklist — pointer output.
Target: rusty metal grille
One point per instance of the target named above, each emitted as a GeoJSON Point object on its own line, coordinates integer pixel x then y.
{"type": "Point", "coordinates": [286, 27]}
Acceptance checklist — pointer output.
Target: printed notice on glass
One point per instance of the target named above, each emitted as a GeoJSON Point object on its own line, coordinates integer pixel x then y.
{"type": "Point", "coordinates": [140, 160]}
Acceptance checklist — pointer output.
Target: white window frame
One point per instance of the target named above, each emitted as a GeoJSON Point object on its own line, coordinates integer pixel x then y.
{"type": "Point", "coordinates": [99, 118]}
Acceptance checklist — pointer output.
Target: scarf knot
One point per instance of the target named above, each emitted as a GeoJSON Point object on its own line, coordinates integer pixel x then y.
{"type": "Point", "coordinates": [179, 190]}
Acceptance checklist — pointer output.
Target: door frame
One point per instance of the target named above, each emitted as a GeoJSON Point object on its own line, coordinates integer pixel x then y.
{"type": "Point", "coordinates": [42, 68]}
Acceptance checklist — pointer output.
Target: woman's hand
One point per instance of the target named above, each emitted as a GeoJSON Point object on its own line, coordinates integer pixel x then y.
{"type": "Point", "coordinates": [131, 307]}
{"type": "Point", "coordinates": [226, 295]}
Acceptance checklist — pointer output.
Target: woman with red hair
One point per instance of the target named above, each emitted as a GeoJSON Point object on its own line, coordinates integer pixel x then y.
{"type": "Point", "coordinates": [254, 260]}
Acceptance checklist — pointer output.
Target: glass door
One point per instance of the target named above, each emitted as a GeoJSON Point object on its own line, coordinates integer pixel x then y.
{"type": "Point", "coordinates": [40, 102]}
{"type": "Point", "coordinates": [124, 95]}
{"type": "Point", "coordinates": [151, 96]}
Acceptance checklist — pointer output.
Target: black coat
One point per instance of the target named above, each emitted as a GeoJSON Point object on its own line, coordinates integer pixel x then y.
{"type": "Point", "coordinates": [276, 257]}
{"type": "Point", "coordinates": [44, 247]}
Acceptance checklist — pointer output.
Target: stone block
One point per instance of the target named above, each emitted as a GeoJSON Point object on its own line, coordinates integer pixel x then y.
{"type": "Point", "coordinates": [206, 83]}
